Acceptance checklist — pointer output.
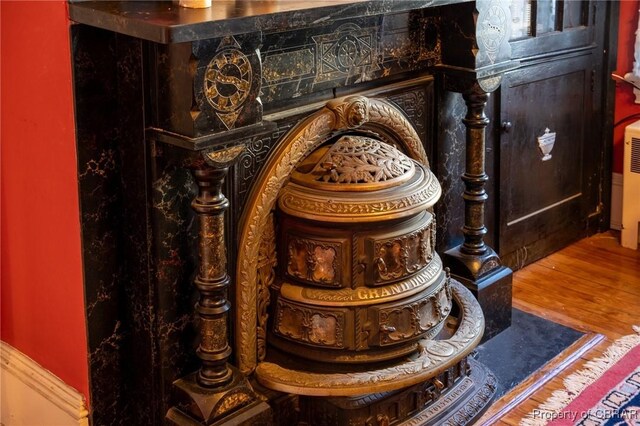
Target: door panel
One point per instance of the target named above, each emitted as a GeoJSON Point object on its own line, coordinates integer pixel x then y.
{"type": "Point", "coordinates": [544, 200]}
{"type": "Point", "coordinates": [544, 26]}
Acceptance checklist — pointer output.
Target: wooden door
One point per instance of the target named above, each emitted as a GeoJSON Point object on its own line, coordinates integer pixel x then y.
{"type": "Point", "coordinates": [545, 200]}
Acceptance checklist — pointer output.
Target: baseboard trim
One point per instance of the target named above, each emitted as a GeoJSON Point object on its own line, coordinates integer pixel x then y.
{"type": "Point", "coordinates": [616, 201]}
{"type": "Point", "coordinates": [33, 395]}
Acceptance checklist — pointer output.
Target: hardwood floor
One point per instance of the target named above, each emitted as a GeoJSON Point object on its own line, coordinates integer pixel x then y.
{"type": "Point", "coordinates": [592, 286]}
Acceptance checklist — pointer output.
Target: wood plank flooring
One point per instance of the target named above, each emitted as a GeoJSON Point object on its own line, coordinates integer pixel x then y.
{"type": "Point", "coordinates": [592, 286]}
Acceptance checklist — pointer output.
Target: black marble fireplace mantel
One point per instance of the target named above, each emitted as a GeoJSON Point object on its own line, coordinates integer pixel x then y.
{"type": "Point", "coordinates": [166, 22]}
{"type": "Point", "coordinates": [144, 117]}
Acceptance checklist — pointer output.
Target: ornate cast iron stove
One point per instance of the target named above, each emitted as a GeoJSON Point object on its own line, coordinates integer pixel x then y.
{"type": "Point", "coordinates": [343, 207]}
{"type": "Point", "coordinates": [359, 280]}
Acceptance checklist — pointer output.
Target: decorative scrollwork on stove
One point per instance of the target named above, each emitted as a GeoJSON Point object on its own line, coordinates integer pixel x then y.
{"type": "Point", "coordinates": [402, 256]}
{"type": "Point", "coordinates": [362, 333]}
{"type": "Point", "coordinates": [355, 159]}
{"type": "Point", "coordinates": [386, 115]}
{"type": "Point", "coordinates": [267, 260]}
{"type": "Point", "coordinates": [434, 227]}
{"type": "Point", "coordinates": [309, 326]}
{"type": "Point", "coordinates": [390, 261]}
{"type": "Point", "coordinates": [408, 321]}
{"type": "Point", "coordinates": [350, 115]}
{"type": "Point", "coordinates": [364, 208]}
{"type": "Point", "coordinates": [258, 207]}
{"type": "Point", "coordinates": [426, 248]}
{"type": "Point", "coordinates": [314, 261]}
{"type": "Point", "coordinates": [399, 324]}
{"type": "Point", "coordinates": [442, 302]}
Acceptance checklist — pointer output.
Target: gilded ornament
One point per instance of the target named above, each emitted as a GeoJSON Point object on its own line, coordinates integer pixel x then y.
{"type": "Point", "coordinates": [357, 113]}
{"type": "Point", "coordinates": [223, 157]}
{"type": "Point", "coordinates": [267, 261]}
{"type": "Point", "coordinates": [227, 80]}
{"type": "Point", "coordinates": [429, 277]}
{"type": "Point", "coordinates": [231, 402]}
{"type": "Point", "coordinates": [396, 257]}
{"type": "Point", "coordinates": [306, 325]}
{"type": "Point", "coordinates": [349, 50]}
{"type": "Point", "coordinates": [214, 334]}
{"type": "Point", "coordinates": [356, 160]}
{"type": "Point", "coordinates": [314, 261]}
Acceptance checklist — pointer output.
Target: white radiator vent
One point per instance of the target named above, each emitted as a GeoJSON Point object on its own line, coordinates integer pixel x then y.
{"type": "Point", "coordinates": [635, 156]}
{"type": "Point", "coordinates": [631, 186]}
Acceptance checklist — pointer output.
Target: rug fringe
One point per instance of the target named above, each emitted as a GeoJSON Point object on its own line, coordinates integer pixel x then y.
{"type": "Point", "coordinates": [580, 380]}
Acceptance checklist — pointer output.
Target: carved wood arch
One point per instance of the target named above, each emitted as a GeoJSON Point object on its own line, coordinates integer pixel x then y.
{"type": "Point", "coordinates": [256, 243]}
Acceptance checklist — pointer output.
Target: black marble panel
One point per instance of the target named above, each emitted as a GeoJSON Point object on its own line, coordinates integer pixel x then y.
{"type": "Point", "coordinates": [99, 166]}
{"type": "Point", "coordinates": [344, 53]}
{"type": "Point", "coordinates": [173, 233]}
{"type": "Point", "coordinates": [523, 348]}
{"type": "Point", "coordinates": [477, 36]}
{"type": "Point", "coordinates": [494, 294]}
{"type": "Point", "coordinates": [138, 350]}
{"type": "Point", "coordinates": [449, 165]}
{"type": "Point", "coordinates": [137, 237]}
{"type": "Point", "coordinates": [417, 103]}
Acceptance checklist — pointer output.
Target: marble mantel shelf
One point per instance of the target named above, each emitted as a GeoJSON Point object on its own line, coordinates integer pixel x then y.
{"type": "Point", "coordinates": [166, 22]}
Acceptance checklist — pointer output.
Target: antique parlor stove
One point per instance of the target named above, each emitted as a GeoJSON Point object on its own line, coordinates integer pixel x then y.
{"type": "Point", "coordinates": [273, 154]}
{"type": "Point", "coordinates": [359, 279]}
{"type": "Point", "coordinates": [354, 320]}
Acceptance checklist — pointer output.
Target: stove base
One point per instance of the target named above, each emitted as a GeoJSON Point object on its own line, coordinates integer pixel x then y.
{"type": "Point", "coordinates": [457, 396]}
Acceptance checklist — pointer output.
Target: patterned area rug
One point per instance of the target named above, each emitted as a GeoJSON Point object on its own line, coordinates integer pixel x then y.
{"type": "Point", "coordinates": [605, 392]}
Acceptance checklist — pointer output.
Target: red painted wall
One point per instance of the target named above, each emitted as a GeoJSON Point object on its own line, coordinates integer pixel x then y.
{"type": "Point", "coordinates": [625, 105]}
{"type": "Point", "coordinates": [42, 290]}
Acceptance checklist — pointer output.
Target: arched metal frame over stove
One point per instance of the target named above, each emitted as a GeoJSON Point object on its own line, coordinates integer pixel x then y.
{"type": "Point", "coordinates": [256, 261]}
